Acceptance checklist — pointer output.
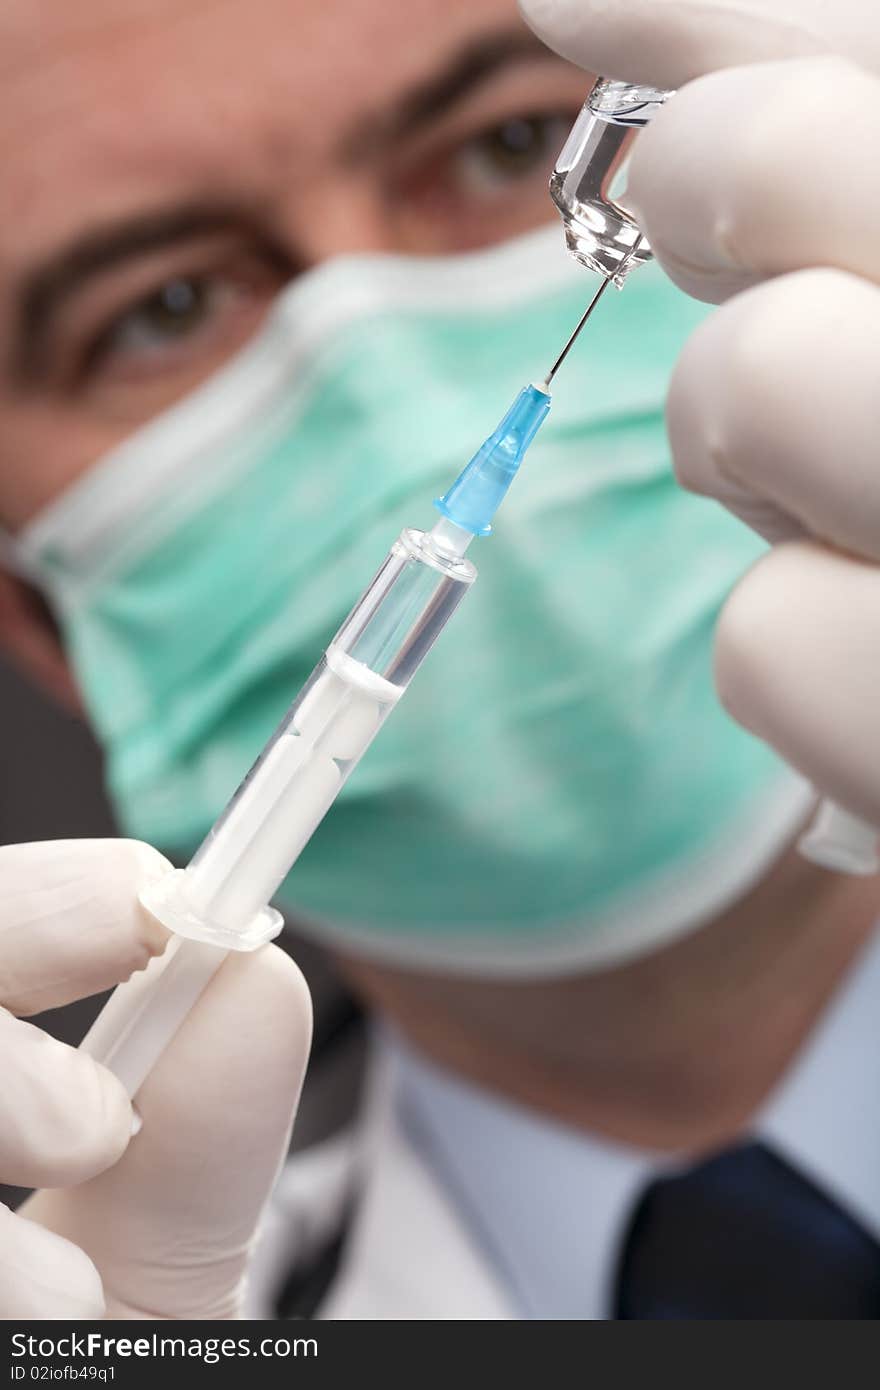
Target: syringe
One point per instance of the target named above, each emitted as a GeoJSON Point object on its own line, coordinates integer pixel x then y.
{"type": "Point", "coordinates": [221, 901]}
{"type": "Point", "coordinates": [588, 186]}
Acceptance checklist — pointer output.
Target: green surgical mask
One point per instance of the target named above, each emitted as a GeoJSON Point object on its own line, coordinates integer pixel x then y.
{"type": "Point", "coordinates": [560, 788]}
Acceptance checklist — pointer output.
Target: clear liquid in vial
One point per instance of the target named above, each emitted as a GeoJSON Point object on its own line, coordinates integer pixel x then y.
{"type": "Point", "coordinates": [588, 184]}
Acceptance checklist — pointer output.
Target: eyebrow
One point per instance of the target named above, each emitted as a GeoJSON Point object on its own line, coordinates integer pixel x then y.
{"type": "Point", "coordinates": [95, 252]}
{"type": "Point", "coordinates": [468, 68]}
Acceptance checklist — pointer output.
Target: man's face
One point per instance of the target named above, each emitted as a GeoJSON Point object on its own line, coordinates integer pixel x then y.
{"type": "Point", "coordinates": [167, 165]}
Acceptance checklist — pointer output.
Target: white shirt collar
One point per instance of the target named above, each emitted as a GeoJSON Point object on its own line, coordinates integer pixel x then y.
{"type": "Point", "coordinates": [824, 1116]}
{"type": "Point", "coordinates": [549, 1205]}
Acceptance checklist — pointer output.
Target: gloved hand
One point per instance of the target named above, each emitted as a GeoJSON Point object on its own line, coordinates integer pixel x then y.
{"type": "Point", "coordinates": [158, 1226]}
{"type": "Point", "coordinates": [769, 169]}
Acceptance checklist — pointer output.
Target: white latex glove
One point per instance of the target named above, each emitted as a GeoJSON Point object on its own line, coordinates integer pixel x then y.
{"type": "Point", "coordinates": [158, 1226]}
{"type": "Point", "coordinates": [770, 169]}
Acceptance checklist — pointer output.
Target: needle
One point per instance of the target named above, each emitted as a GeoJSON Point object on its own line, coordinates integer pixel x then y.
{"type": "Point", "coordinates": [568, 346]}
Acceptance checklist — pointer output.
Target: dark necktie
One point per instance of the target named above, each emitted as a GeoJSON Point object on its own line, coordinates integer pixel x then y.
{"type": "Point", "coordinates": [743, 1235]}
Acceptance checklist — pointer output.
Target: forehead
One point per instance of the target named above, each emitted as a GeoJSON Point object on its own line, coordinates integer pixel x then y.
{"type": "Point", "coordinates": [112, 100]}
{"type": "Point", "coordinates": [123, 59]}
{"type": "Point", "coordinates": [88, 36]}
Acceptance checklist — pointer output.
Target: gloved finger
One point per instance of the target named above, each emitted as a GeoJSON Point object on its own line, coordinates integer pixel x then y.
{"type": "Point", "coordinates": [170, 1225]}
{"type": "Point", "coordinates": [666, 43]}
{"type": "Point", "coordinates": [746, 174]}
{"type": "Point", "coordinates": [63, 1118]}
{"type": "Point", "coordinates": [797, 662]}
{"type": "Point", "coordinates": [70, 921]}
{"type": "Point", "coordinates": [773, 409]}
{"type": "Point", "coordinates": [43, 1276]}
{"type": "Point", "coordinates": [70, 925]}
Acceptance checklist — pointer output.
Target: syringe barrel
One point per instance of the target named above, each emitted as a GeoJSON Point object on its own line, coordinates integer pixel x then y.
{"type": "Point", "coordinates": [364, 671]}
{"type": "Point", "coordinates": [588, 184]}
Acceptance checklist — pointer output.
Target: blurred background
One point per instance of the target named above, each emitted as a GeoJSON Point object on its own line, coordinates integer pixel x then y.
{"type": "Point", "coordinates": [59, 795]}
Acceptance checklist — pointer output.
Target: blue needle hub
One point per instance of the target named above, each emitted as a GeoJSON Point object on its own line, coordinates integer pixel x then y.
{"type": "Point", "coordinates": [479, 490]}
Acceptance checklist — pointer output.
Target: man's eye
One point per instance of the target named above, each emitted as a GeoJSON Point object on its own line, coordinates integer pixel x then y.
{"type": "Point", "coordinates": [483, 188]}
{"type": "Point", "coordinates": [512, 150]}
{"type": "Point", "coordinates": [173, 335]}
{"type": "Point", "coordinates": [177, 309]}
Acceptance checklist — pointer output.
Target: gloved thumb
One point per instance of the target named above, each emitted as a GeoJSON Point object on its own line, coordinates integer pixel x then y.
{"type": "Point", "coordinates": [666, 43]}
